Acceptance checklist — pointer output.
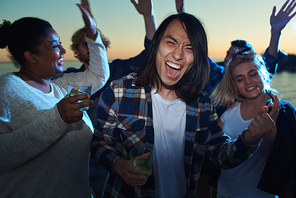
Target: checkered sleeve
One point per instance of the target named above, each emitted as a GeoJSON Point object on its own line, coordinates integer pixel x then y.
{"type": "Point", "coordinates": [121, 122]}
{"type": "Point", "coordinates": [104, 138]}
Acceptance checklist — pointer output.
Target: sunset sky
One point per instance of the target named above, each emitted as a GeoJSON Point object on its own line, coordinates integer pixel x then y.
{"type": "Point", "coordinates": [224, 21]}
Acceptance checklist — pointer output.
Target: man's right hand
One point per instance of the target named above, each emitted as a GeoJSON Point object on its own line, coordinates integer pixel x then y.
{"type": "Point", "coordinates": [131, 175]}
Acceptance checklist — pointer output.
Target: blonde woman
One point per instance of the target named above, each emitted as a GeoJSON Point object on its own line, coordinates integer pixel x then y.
{"type": "Point", "coordinates": [244, 90]}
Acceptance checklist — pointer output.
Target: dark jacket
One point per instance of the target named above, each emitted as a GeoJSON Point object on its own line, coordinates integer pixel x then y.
{"type": "Point", "coordinates": [280, 168]}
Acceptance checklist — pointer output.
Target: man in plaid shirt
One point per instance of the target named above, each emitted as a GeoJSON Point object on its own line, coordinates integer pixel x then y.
{"type": "Point", "coordinates": [162, 106]}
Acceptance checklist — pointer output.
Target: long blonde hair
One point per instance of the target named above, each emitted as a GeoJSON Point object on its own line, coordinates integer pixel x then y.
{"type": "Point", "coordinates": [226, 93]}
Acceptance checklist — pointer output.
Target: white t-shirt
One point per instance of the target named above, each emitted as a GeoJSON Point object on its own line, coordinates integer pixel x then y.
{"type": "Point", "coordinates": [169, 118]}
{"type": "Point", "coordinates": [241, 181]}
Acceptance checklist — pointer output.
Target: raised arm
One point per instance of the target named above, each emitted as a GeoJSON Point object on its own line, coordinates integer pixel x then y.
{"type": "Point", "coordinates": [180, 6]}
{"type": "Point", "coordinates": [98, 72]}
{"type": "Point", "coordinates": [278, 23]}
{"type": "Point", "coordinates": [85, 5]}
{"type": "Point", "coordinates": [145, 8]}
{"type": "Point", "coordinates": [89, 21]}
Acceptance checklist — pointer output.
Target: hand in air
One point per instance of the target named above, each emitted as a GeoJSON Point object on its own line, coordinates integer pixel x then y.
{"type": "Point", "coordinates": [279, 21]}
{"type": "Point", "coordinates": [144, 7]}
{"type": "Point", "coordinates": [89, 21]}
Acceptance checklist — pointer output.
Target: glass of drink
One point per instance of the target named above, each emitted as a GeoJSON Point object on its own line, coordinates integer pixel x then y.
{"type": "Point", "coordinates": [142, 160]}
{"type": "Point", "coordinates": [84, 88]}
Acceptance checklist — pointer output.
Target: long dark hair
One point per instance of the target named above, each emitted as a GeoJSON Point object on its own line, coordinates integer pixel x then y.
{"type": "Point", "coordinates": [191, 84]}
{"type": "Point", "coordinates": [24, 34]}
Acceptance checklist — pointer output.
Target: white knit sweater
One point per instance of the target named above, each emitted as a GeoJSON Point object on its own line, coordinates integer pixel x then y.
{"type": "Point", "coordinates": [41, 155]}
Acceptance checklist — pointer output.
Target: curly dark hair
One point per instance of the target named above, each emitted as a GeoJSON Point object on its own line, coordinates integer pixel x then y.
{"type": "Point", "coordinates": [24, 34]}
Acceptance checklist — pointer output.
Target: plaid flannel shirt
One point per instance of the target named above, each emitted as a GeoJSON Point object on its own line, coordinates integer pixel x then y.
{"type": "Point", "coordinates": [125, 121]}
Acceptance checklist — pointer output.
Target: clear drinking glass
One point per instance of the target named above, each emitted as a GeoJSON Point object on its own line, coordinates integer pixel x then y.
{"type": "Point", "coordinates": [84, 88]}
{"type": "Point", "coordinates": [142, 160]}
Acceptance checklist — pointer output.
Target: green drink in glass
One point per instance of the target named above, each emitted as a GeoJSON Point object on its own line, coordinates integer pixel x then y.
{"type": "Point", "coordinates": [144, 166]}
{"type": "Point", "coordinates": [142, 160]}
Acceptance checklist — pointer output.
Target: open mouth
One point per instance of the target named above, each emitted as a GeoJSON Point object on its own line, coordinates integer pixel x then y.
{"type": "Point", "coordinates": [173, 70]}
{"type": "Point", "coordinates": [250, 88]}
{"type": "Point", "coordinates": [60, 61]}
